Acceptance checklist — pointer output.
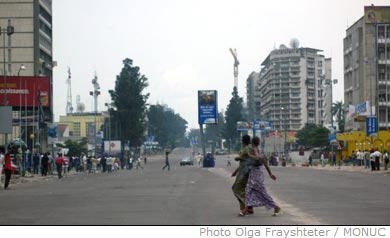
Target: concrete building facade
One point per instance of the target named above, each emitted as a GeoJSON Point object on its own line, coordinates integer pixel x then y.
{"type": "Point", "coordinates": [80, 123]}
{"type": "Point", "coordinates": [31, 44]}
{"type": "Point", "coordinates": [252, 96]}
{"type": "Point", "coordinates": [367, 67]}
{"type": "Point", "coordinates": [295, 88]}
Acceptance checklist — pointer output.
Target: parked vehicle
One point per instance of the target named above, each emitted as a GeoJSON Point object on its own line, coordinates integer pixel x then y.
{"type": "Point", "coordinates": [186, 161]}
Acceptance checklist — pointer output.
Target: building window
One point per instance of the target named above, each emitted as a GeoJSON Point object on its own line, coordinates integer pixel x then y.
{"type": "Point", "coordinates": [76, 129]}
{"type": "Point", "coordinates": [319, 63]}
{"type": "Point", "coordinates": [45, 28]}
{"type": "Point", "coordinates": [44, 56]}
{"type": "Point", "coordinates": [45, 14]}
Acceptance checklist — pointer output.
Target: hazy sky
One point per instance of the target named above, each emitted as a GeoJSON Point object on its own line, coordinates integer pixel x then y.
{"type": "Point", "coordinates": [183, 46]}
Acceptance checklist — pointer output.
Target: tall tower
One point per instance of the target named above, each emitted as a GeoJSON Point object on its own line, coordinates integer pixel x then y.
{"type": "Point", "coordinates": [96, 92]}
{"type": "Point", "coordinates": [69, 106]}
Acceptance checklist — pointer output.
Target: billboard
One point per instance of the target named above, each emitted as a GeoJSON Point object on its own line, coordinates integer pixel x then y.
{"type": "Point", "coordinates": [5, 119]}
{"type": "Point", "coordinates": [371, 126]}
{"type": "Point", "coordinates": [25, 91]}
{"type": "Point", "coordinates": [244, 126]}
{"type": "Point", "coordinates": [52, 134]}
{"type": "Point", "coordinates": [208, 107]}
{"type": "Point", "coordinates": [374, 14]}
{"type": "Point", "coordinates": [114, 145]}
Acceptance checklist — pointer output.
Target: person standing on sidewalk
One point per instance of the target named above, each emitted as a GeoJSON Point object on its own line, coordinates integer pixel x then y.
{"type": "Point", "coordinates": [322, 158]}
{"type": "Point", "coordinates": [386, 159]}
{"type": "Point", "coordinates": [44, 165]}
{"type": "Point", "coordinates": [7, 170]}
{"type": "Point", "coordinates": [167, 165]}
{"type": "Point", "coordinates": [35, 163]}
{"type": "Point", "coordinates": [60, 162]}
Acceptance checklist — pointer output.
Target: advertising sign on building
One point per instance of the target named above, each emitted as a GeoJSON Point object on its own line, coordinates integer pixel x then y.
{"type": "Point", "coordinates": [374, 14]}
{"type": "Point", "coordinates": [52, 134]}
{"type": "Point", "coordinates": [262, 125]}
{"type": "Point", "coordinates": [244, 126]}
{"type": "Point", "coordinates": [5, 120]}
{"type": "Point", "coordinates": [24, 91]}
{"type": "Point", "coordinates": [371, 126]}
{"type": "Point", "coordinates": [112, 146]}
{"type": "Point", "coordinates": [91, 133]}
{"type": "Point", "coordinates": [208, 107]}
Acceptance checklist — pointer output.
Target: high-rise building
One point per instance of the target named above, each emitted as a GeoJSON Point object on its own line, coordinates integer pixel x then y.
{"type": "Point", "coordinates": [367, 69]}
{"type": "Point", "coordinates": [295, 88]}
{"type": "Point", "coordinates": [31, 44]}
{"type": "Point", "coordinates": [252, 96]}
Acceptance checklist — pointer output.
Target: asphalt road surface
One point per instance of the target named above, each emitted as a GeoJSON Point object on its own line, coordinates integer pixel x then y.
{"type": "Point", "coordinates": [196, 196]}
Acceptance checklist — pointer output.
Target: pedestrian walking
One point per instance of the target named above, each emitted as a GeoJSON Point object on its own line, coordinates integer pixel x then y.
{"type": "Point", "coordinates": [372, 160]}
{"type": "Point", "coordinates": [311, 159]}
{"type": "Point", "coordinates": [1, 165]}
{"type": "Point", "coordinates": [103, 163]}
{"type": "Point", "coordinates": [59, 163]}
{"type": "Point", "coordinates": [145, 160]}
{"type": "Point", "coordinates": [229, 164]}
{"type": "Point", "coordinates": [242, 174]}
{"type": "Point", "coordinates": [386, 160]}
{"type": "Point", "coordinates": [7, 167]}
{"type": "Point", "coordinates": [167, 165]}
{"type": "Point", "coordinates": [44, 164]}
{"type": "Point", "coordinates": [138, 164]}
{"type": "Point", "coordinates": [110, 162]}
{"type": "Point", "coordinates": [256, 194]}
{"type": "Point", "coordinates": [366, 160]}
{"type": "Point", "coordinates": [322, 158]}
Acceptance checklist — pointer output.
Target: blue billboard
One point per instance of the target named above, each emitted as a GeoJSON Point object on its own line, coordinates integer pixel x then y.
{"type": "Point", "coordinates": [208, 107]}
{"type": "Point", "coordinates": [371, 126]}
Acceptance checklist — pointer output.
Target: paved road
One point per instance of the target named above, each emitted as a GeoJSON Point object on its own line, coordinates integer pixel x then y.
{"type": "Point", "coordinates": [195, 196]}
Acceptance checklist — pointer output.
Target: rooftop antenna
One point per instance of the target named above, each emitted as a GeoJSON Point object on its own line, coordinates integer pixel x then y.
{"type": "Point", "coordinates": [69, 107]}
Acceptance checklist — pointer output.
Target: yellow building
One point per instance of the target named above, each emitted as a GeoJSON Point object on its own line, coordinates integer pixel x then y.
{"type": "Point", "coordinates": [80, 122]}
{"type": "Point", "coordinates": [357, 140]}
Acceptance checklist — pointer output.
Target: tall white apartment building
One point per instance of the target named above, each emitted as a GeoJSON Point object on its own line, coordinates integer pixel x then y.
{"type": "Point", "coordinates": [295, 88]}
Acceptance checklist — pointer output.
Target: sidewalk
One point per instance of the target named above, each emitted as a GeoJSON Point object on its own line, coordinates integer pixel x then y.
{"type": "Point", "coordinates": [18, 179]}
{"type": "Point", "coordinates": [358, 169]}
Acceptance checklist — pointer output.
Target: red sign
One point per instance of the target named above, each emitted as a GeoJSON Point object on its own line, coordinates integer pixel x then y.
{"type": "Point", "coordinates": [26, 91]}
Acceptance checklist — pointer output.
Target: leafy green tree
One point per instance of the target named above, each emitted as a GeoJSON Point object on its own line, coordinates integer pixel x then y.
{"type": "Point", "coordinates": [129, 102]}
{"type": "Point", "coordinates": [75, 148]}
{"type": "Point", "coordinates": [168, 127]}
{"type": "Point", "coordinates": [338, 112]}
{"type": "Point", "coordinates": [313, 136]}
{"type": "Point", "coordinates": [232, 116]}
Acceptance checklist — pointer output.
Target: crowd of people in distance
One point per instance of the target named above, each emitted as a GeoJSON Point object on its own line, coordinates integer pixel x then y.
{"type": "Point", "coordinates": [373, 159]}
{"type": "Point", "coordinates": [33, 164]}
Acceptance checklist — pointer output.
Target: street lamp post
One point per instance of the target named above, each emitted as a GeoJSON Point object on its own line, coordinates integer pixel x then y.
{"type": "Point", "coordinates": [109, 127]}
{"type": "Point", "coordinates": [6, 31]}
{"type": "Point", "coordinates": [22, 67]}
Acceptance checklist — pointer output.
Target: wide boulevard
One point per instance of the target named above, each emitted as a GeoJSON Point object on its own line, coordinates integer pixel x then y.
{"type": "Point", "coordinates": [196, 196]}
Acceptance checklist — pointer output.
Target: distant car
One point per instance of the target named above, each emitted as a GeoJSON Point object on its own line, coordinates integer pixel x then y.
{"type": "Point", "coordinates": [186, 161]}
{"type": "Point", "coordinates": [221, 152]}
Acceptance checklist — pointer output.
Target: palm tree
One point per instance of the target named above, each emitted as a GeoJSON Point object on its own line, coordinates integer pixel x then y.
{"type": "Point", "coordinates": [338, 112]}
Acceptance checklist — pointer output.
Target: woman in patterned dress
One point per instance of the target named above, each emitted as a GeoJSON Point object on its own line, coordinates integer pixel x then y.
{"type": "Point", "coordinates": [242, 174]}
{"type": "Point", "coordinates": [255, 192]}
